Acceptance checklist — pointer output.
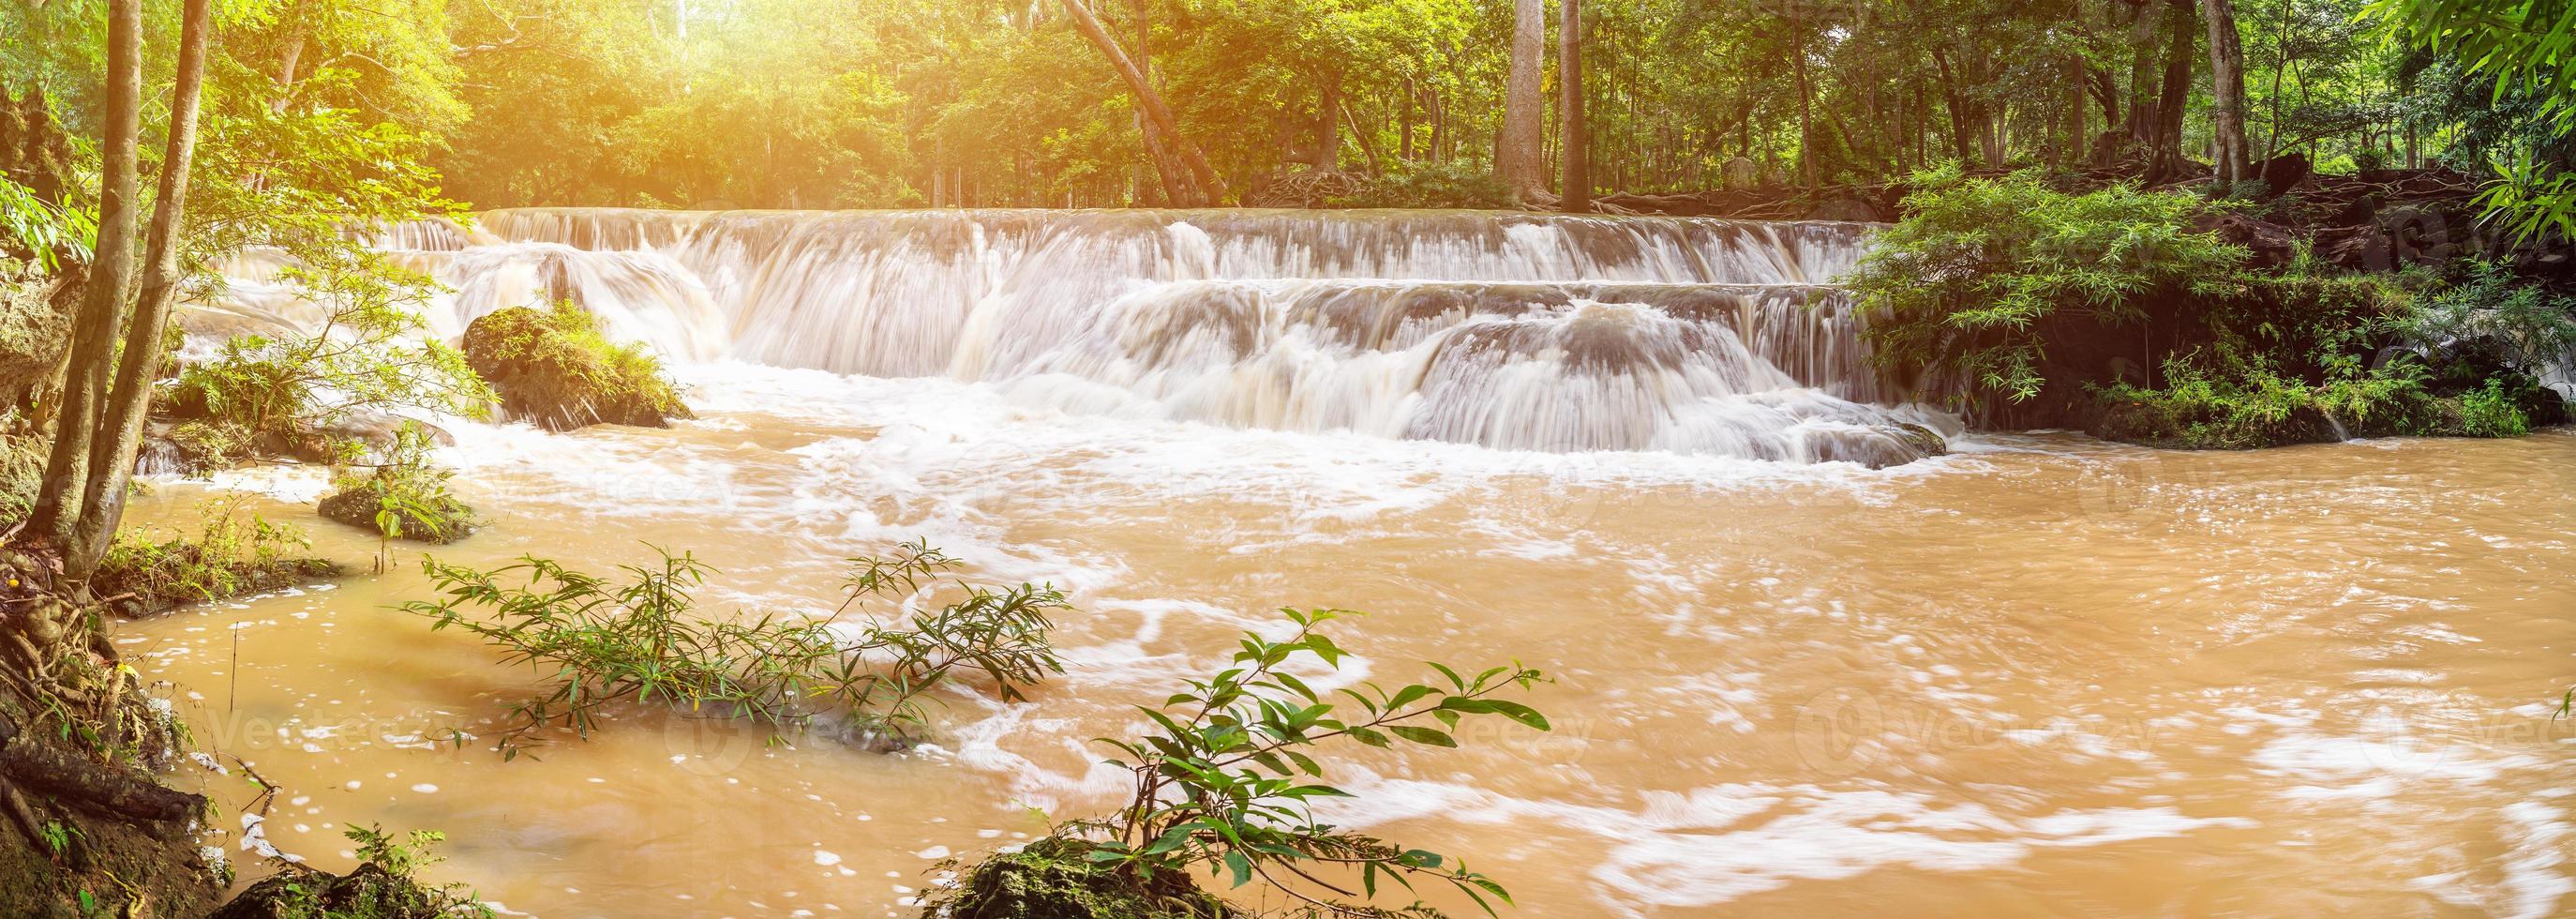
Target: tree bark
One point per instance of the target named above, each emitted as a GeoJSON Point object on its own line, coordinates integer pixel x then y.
{"type": "Point", "coordinates": [1806, 119]}
{"type": "Point", "coordinates": [1569, 79]}
{"type": "Point", "coordinates": [57, 509]}
{"type": "Point", "coordinates": [1210, 189]}
{"type": "Point", "coordinates": [111, 460]}
{"type": "Point", "coordinates": [2227, 90]}
{"type": "Point", "coordinates": [2142, 74]}
{"type": "Point", "coordinates": [2177, 90]}
{"type": "Point", "coordinates": [1520, 149]}
{"type": "Point", "coordinates": [1958, 108]}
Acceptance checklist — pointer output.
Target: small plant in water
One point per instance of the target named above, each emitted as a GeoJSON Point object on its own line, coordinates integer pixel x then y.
{"type": "Point", "coordinates": [1227, 780]}
{"type": "Point", "coordinates": [610, 642]}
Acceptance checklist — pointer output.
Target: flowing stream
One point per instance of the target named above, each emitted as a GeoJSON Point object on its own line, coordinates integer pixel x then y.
{"type": "Point", "coordinates": [1815, 651]}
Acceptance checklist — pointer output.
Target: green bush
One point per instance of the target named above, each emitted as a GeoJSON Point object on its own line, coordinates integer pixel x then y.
{"type": "Point", "coordinates": [404, 497]}
{"type": "Point", "coordinates": [230, 555]}
{"type": "Point", "coordinates": [1972, 285]}
{"type": "Point", "coordinates": [284, 396]}
{"type": "Point", "coordinates": [385, 885]}
{"type": "Point", "coordinates": [604, 643]}
{"type": "Point", "coordinates": [558, 369]}
{"type": "Point", "coordinates": [2490, 412]}
{"type": "Point", "coordinates": [1225, 784]}
{"type": "Point", "coordinates": [2496, 319]}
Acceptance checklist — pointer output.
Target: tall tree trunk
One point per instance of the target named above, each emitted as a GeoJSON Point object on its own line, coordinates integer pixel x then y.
{"type": "Point", "coordinates": [93, 347]}
{"type": "Point", "coordinates": [111, 459]}
{"type": "Point", "coordinates": [2227, 90]}
{"type": "Point", "coordinates": [1328, 122]}
{"type": "Point", "coordinates": [1210, 189]}
{"type": "Point", "coordinates": [1806, 118]}
{"type": "Point", "coordinates": [1958, 108]}
{"type": "Point", "coordinates": [2180, 27]}
{"type": "Point", "coordinates": [1569, 79]}
{"type": "Point", "coordinates": [1520, 149]}
{"type": "Point", "coordinates": [2142, 74]}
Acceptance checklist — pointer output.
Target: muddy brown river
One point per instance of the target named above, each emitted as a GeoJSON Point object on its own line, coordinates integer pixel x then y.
{"type": "Point", "coordinates": [2036, 676]}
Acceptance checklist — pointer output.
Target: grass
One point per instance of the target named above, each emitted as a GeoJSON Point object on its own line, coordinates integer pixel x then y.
{"type": "Point", "coordinates": [231, 554]}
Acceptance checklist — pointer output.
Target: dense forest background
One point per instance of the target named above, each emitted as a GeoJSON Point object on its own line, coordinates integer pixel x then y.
{"type": "Point", "coordinates": [910, 103]}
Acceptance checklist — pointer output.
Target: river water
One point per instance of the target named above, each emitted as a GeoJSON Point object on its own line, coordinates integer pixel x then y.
{"type": "Point", "coordinates": [1797, 669]}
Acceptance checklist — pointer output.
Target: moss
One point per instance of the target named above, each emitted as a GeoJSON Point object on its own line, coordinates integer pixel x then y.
{"type": "Point", "coordinates": [1053, 879]}
{"type": "Point", "coordinates": [556, 369]}
{"type": "Point", "coordinates": [360, 498]}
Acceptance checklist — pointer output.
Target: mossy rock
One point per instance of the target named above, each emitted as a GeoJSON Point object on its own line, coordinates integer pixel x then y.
{"type": "Point", "coordinates": [1052, 879]}
{"type": "Point", "coordinates": [358, 501]}
{"type": "Point", "coordinates": [370, 892]}
{"type": "Point", "coordinates": [556, 370]}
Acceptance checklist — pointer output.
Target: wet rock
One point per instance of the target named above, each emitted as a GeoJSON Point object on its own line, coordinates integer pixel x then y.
{"type": "Point", "coordinates": [358, 502]}
{"type": "Point", "coordinates": [370, 891]}
{"type": "Point", "coordinates": [556, 370]}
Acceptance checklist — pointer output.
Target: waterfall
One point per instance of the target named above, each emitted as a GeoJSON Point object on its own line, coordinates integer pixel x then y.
{"type": "Point", "coordinates": [1510, 330]}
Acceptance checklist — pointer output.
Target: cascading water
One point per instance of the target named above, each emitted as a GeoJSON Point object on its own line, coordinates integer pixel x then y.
{"type": "Point", "coordinates": [1514, 331]}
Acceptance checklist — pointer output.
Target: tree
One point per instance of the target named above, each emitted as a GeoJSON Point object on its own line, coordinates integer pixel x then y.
{"type": "Point", "coordinates": [2227, 90]}
{"type": "Point", "coordinates": [1207, 188]}
{"type": "Point", "coordinates": [111, 459]}
{"type": "Point", "coordinates": [1519, 152]}
{"type": "Point", "coordinates": [67, 466]}
{"type": "Point", "coordinates": [1569, 77]}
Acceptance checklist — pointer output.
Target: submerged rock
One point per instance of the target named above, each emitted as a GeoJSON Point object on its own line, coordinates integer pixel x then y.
{"type": "Point", "coordinates": [556, 370]}
{"type": "Point", "coordinates": [370, 892]}
{"type": "Point", "coordinates": [359, 500]}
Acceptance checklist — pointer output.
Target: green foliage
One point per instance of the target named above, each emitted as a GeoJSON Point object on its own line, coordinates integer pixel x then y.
{"type": "Point", "coordinates": [558, 368]}
{"type": "Point", "coordinates": [403, 497]}
{"type": "Point", "coordinates": [231, 554]}
{"type": "Point", "coordinates": [2490, 412]}
{"type": "Point", "coordinates": [369, 351]}
{"type": "Point", "coordinates": [47, 232]}
{"type": "Point", "coordinates": [2525, 51]}
{"type": "Point", "coordinates": [606, 643]}
{"type": "Point", "coordinates": [2237, 402]}
{"type": "Point", "coordinates": [1055, 878]}
{"type": "Point", "coordinates": [1226, 779]}
{"type": "Point", "coordinates": [1970, 284]}
{"type": "Point", "coordinates": [2517, 324]}
{"type": "Point", "coordinates": [385, 885]}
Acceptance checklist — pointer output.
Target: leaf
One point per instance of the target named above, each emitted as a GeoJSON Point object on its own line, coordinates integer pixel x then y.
{"type": "Point", "coordinates": [1426, 736]}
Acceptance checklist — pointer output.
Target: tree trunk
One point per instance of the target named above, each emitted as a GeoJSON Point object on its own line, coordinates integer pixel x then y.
{"type": "Point", "coordinates": [93, 347]}
{"type": "Point", "coordinates": [1569, 79]}
{"type": "Point", "coordinates": [2177, 90]}
{"type": "Point", "coordinates": [1806, 119]}
{"type": "Point", "coordinates": [111, 460]}
{"type": "Point", "coordinates": [2142, 75]}
{"type": "Point", "coordinates": [1520, 149]}
{"type": "Point", "coordinates": [1328, 122]}
{"type": "Point", "coordinates": [1958, 108]}
{"type": "Point", "coordinates": [1209, 189]}
{"type": "Point", "coordinates": [2227, 91]}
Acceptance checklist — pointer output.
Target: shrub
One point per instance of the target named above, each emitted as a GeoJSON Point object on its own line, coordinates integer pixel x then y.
{"type": "Point", "coordinates": [2495, 320]}
{"type": "Point", "coordinates": [404, 497]}
{"type": "Point", "coordinates": [385, 885]}
{"type": "Point", "coordinates": [2490, 412]}
{"type": "Point", "coordinates": [1970, 285]}
{"type": "Point", "coordinates": [285, 396]}
{"type": "Point", "coordinates": [607, 643]}
{"type": "Point", "coordinates": [1226, 782]}
{"type": "Point", "coordinates": [557, 369]}
{"type": "Point", "coordinates": [231, 554]}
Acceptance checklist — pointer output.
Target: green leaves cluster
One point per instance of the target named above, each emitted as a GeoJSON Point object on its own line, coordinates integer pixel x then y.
{"type": "Point", "coordinates": [1228, 779]}
{"type": "Point", "coordinates": [368, 350]}
{"type": "Point", "coordinates": [603, 643]}
{"type": "Point", "coordinates": [1969, 286]}
{"type": "Point", "coordinates": [232, 553]}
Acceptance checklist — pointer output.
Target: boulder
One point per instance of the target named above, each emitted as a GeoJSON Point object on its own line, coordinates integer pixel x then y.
{"type": "Point", "coordinates": [556, 370]}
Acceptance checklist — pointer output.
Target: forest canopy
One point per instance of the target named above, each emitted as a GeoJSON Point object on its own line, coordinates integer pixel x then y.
{"type": "Point", "coordinates": [909, 103]}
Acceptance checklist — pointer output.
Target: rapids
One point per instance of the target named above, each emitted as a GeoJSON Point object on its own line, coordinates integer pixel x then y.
{"type": "Point", "coordinates": [2037, 675]}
